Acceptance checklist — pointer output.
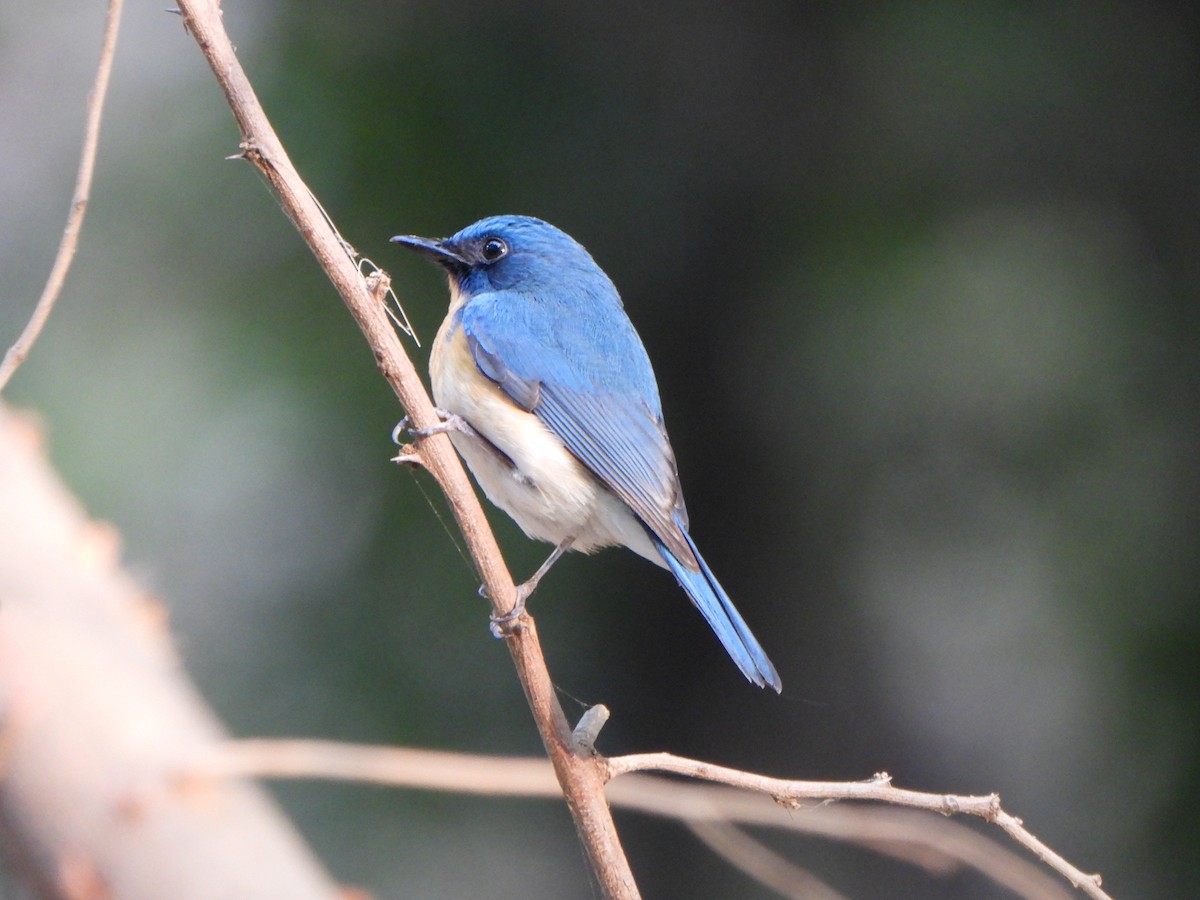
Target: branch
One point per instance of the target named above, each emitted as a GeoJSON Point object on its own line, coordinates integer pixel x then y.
{"type": "Point", "coordinates": [83, 185]}
{"type": "Point", "coordinates": [97, 716]}
{"type": "Point", "coordinates": [579, 774]}
{"type": "Point", "coordinates": [879, 789]}
{"type": "Point", "coordinates": [937, 844]}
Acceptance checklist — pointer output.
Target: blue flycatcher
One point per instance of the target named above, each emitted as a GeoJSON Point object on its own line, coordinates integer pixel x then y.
{"type": "Point", "coordinates": [547, 393]}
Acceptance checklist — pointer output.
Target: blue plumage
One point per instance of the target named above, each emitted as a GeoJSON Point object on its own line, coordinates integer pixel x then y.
{"type": "Point", "coordinates": [538, 357]}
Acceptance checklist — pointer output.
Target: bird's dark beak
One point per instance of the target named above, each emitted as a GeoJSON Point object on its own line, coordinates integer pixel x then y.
{"type": "Point", "coordinates": [439, 251]}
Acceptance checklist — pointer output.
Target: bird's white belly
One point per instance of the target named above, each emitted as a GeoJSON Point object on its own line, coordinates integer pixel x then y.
{"type": "Point", "coordinates": [546, 490]}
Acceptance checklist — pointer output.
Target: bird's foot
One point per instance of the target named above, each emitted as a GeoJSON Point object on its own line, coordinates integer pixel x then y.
{"type": "Point", "coordinates": [509, 623]}
{"type": "Point", "coordinates": [449, 422]}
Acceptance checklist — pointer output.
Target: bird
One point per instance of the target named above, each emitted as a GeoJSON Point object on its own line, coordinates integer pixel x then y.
{"type": "Point", "coordinates": [548, 395]}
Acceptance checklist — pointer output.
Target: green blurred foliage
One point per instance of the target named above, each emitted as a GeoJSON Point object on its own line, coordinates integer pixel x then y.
{"type": "Point", "coordinates": [920, 285]}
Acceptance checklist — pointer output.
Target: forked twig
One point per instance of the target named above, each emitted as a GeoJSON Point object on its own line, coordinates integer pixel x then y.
{"type": "Point", "coordinates": [578, 773]}
{"type": "Point", "coordinates": [878, 789]}
{"type": "Point", "coordinates": [909, 834]}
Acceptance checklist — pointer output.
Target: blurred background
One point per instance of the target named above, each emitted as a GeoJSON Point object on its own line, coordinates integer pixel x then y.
{"type": "Point", "coordinates": [920, 286]}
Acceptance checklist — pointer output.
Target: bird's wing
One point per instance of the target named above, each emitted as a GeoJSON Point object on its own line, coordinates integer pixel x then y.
{"type": "Point", "coordinates": [587, 378]}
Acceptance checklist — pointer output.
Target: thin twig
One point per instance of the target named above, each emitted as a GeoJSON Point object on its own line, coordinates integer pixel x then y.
{"type": "Point", "coordinates": [578, 773]}
{"type": "Point", "coordinates": [762, 863]}
{"type": "Point", "coordinates": [878, 789]}
{"type": "Point", "coordinates": [936, 844]}
{"type": "Point", "coordinates": [83, 185]}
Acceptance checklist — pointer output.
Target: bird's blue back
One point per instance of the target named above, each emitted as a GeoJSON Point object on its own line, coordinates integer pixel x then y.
{"type": "Point", "coordinates": [548, 326]}
{"type": "Point", "coordinates": [558, 315]}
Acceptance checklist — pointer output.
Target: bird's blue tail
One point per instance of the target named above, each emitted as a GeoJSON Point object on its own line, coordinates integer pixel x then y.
{"type": "Point", "coordinates": [718, 610]}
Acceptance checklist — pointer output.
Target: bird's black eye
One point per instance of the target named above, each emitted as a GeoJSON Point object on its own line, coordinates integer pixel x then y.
{"type": "Point", "coordinates": [492, 249]}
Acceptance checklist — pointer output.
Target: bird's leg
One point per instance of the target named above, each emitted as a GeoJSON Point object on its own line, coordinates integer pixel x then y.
{"type": "Point", "coordinates": [504, 625]}
{"type": "Point", "coordinates": [449, 422]}
{"type": "Point", "coordinates": [524, 590]}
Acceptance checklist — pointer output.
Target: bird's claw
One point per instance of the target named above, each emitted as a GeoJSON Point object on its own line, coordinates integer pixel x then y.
{"type": "Point", "coordinates": [510, 623]}
{"type": "Point", "coordinates": [449, 422]}
{"type": "Point", "coordinates": [400, 429]}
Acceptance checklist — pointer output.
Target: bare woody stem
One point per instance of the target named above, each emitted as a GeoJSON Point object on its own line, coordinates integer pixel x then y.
{"type": "Point", "coordinates": [737, 800]}
{"type": "Point", "coordinates": [879, 788]}
{"type": "Point", "coordinates": [580, 776]}
{"type": "Point", "coordinates": [902, 829]}
{"type": "Point", "coordinates": [83, 187]}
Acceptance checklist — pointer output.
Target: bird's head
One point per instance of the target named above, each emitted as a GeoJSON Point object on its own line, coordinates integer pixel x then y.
{"type": "Point", "coordinates": [518, 253]}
